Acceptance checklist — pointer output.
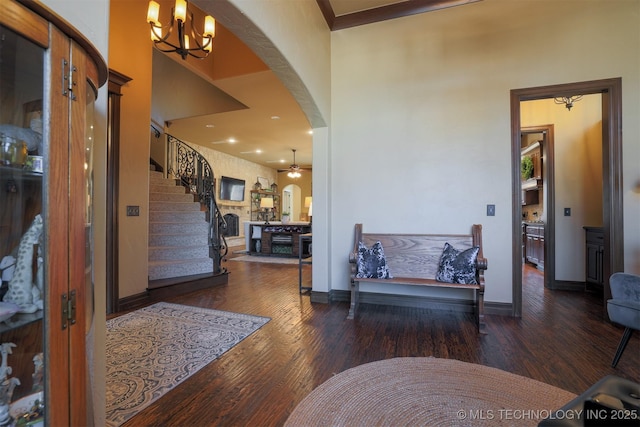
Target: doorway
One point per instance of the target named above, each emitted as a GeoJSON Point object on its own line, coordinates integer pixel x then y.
{"type": "Point", "coordinates": [613, 259]}
{"type": "Point", "coordinates": [537, 143]}
{"type": "Point", "coordinates": [291, 196]}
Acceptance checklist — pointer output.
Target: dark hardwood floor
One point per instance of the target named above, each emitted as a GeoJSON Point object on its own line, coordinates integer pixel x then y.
{"type": "Point", "coordinates": [561, 339]}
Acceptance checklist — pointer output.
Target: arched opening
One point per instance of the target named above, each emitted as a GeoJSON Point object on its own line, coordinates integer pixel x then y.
{"type": "Point", "coordinates": [291, 201]}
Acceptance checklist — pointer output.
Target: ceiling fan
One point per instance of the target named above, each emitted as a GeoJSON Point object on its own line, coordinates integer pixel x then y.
{"type": "Point", "coordinates": [294, 170]}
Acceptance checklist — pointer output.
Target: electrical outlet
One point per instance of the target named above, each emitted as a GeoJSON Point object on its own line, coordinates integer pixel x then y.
{"type": "Point", "coordinates": [491, 210]}
{"type": "Point", "coordinates": [133, 210]}
{"type": "Point", "coordinates": [567, 211]}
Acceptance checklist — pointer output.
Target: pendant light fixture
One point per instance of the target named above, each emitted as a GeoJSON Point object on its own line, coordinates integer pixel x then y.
{"type": "Point", "coordinates": [294, 169]}
{"type": "Point", "coordinates": [567, 100]}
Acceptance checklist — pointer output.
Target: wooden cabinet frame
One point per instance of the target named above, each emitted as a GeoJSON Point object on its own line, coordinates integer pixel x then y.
{"type": "Point", "coordinates": [74, 70]}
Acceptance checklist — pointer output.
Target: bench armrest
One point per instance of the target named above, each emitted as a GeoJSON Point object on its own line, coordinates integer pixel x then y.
{"type": "Point", "coordinates": [353, 255]}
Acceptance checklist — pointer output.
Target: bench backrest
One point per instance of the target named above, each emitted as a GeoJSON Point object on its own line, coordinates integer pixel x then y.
{"type": "Point", "coordinates": [416, 255]}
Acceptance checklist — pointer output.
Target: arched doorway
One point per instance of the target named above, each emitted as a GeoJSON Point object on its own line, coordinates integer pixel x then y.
{"type": "Point", "coordinates": [291, 201]}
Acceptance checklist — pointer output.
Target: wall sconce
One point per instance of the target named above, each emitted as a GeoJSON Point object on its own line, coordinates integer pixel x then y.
{"type": "Point", "coordinates": [179, 15]}
{"type": "Point", "coordinates": [567, 100]}
{"type": "Point", "coordinates": [266, 203]}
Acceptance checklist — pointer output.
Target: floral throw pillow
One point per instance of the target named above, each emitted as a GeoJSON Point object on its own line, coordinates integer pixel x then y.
{"type": "Point", "coordinates": [371, 262]}
{"type": "Point", "coordinates": [458, 266]}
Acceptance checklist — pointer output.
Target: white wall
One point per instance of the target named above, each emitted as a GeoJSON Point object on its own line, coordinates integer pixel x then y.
{"type": "Point", "coordinates": [420, 116]}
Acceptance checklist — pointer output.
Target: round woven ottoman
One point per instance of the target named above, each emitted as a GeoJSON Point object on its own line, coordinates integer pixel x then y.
{"type": "Point", "coordinates": [426, 391]}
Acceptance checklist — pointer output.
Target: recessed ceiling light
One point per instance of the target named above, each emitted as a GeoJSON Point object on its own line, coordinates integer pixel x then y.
{"type": "Point", "coordinates": [310, 132]}
{"type": "Point", "coordinates": [209, 126]}
{"type": "Point", "coordinates": [258, 151]}
{"type": "Point", "coordinates": [275, 117]}
{"type": "Point", "coordinates": [232, 140]}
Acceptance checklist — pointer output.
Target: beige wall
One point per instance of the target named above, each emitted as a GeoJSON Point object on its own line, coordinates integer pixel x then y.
{"type": "Point", "coordinates": [426, 100]}
{"type": "Point", "coordinates": [130, 54]}
{"type": "Point", "coordinates": [419, 109]}
{"type": "Point", "coordinates": [444, 79]}
{"type": "Point", "coordinates": [421, 119]}
{"type": "Point", "coordinates": [235, 167]}
{"type": "Point", "coordinates": [304, 183]}
{"type": "Point", "coordinates": [578, 175]}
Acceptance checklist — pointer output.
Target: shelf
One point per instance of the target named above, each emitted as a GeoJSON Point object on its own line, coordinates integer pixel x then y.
{"type": "Point", "coordinates": [19, 172]}
{"type": "Point", "coordinates": [531, 147]}
{"type": "Point", "coordinates": [531, 184]}
{"type": "Point", "coordinates": [232, 204]}
{"type": "Point", "coordinates": [20, 319]}
{"type": "Point", "coordinates": [256, 212]}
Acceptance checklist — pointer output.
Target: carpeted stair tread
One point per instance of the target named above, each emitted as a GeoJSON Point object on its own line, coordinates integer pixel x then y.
{"type": "Point", "coordinates": [175, 227]}
{"type": "Point", "coordinates": [178, 231]}
{"type": "Point", "coordinates": [177, 216]}
{"type": "Point", "coordinates": [175, 268]}
{"type": "Point", "coordinates": [170, 206]}
{"type": "Point", "coordinates": [171, 197]}
{"type": "Point", "coordinates": [181, 239]}
{"type": "Point", "coordinates": [167, 253]}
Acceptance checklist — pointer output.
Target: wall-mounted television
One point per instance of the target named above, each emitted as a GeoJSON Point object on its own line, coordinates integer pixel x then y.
{"type": "Point", "coordinates": [231, 189]}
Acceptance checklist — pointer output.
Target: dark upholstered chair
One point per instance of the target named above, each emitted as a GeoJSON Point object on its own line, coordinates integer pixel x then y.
{"type": "Point", "coordinates": [624, 307]}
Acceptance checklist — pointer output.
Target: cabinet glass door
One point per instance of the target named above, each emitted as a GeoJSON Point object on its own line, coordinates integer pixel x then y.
{"type": "Point", "coordinates": [23, 228]}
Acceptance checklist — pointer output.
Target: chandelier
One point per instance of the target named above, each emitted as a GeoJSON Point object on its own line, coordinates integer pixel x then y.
{"type": "Point", "coordinates": [193, 44]}
{"type": "Point", "coordinates": [567, 100]}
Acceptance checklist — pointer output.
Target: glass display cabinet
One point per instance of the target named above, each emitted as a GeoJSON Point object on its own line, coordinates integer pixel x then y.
{"type": "Point", "coordinates": [49, 75]}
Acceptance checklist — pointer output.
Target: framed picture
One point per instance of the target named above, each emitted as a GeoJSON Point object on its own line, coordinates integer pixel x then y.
{"type": "Point", "coordinates": [264, 182]}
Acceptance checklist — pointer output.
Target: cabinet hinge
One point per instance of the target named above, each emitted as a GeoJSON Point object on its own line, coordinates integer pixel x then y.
{"type": "Point", "coordinates": [68, 309]}
{"type": "Point", "coordinates": [68, 80]}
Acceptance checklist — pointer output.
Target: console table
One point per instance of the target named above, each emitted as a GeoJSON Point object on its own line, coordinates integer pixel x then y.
{"type": "Point", "coordinates": [276, 238]}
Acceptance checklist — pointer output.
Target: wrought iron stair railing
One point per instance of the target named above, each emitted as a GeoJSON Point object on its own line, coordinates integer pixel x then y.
{"type": "Point", "coordinates": [194, 172]}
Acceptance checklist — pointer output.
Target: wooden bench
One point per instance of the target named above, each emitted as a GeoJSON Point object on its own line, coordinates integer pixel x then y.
{"type": "Point", "coordinates": [413, 259]}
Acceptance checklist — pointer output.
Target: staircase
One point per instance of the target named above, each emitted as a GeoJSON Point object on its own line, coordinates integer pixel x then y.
{"type": "Point", "coordinates": [178, 230]}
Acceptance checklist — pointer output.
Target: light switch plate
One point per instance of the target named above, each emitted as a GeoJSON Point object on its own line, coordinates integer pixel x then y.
{"type": "Point", "coordinates": [491, 210]}
{"type": "Point", "coordinates": [567, 211]}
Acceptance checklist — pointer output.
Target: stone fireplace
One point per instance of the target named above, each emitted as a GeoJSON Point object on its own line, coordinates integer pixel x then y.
{"type": "Point", "coordinates": [235, 215]}
{"type": "Point", "coordinates": [233, 225]}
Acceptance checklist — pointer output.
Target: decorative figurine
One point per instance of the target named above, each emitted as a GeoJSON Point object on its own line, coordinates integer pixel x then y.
{"type": "Point", "coordinates": [6, 384]}
{"type": "Point", "coordinates": [22, 290]}
{"type": "Point", "coordinates": [38, 372]}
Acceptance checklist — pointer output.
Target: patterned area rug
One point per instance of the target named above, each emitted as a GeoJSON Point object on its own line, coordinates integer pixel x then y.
{"type": "Point", "coordinates": [152, 350]}
{"type": "Point", "coordinates": [427, 391]}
